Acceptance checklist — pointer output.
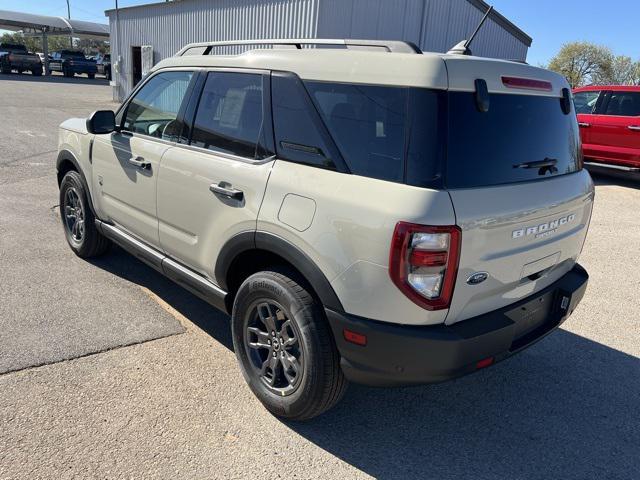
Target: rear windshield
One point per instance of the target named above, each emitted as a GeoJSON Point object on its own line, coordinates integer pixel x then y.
{"type": "Point", "coordinates": [439, 139]}
{"type": "Point", "coordinates": [507, 143]}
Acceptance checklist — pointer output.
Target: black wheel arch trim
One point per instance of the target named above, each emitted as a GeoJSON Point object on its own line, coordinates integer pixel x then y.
{"type": "Point", "coordinates": [259, 240]}
{"type": "Point", "coordinates": [67, 156]}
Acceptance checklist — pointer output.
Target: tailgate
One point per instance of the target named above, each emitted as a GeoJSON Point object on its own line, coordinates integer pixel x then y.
{"type": "Point", "coordinates": [524, 236]}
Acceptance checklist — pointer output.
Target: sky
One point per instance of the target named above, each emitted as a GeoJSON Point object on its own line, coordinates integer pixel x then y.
{"type": "Point", "coordinates": [549, 22]}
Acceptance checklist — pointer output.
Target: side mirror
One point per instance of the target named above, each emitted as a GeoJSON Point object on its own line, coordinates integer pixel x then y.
{"type": "Point", "coordinates": [102, 121]}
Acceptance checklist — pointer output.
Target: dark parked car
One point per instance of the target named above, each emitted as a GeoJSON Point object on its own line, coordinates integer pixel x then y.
{"type": "Point", "coordinates": [16, 57]}
{"type": "Point", "coordinates": [72, 62]}
{"type": "Point", "coordinates": [104, 66]}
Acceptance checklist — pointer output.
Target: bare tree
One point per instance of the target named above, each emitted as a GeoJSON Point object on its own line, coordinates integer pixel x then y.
{"type": "Point", "coordinates": [582, 62]}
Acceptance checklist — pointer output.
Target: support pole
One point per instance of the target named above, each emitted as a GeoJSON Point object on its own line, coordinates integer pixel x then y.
{"type": "Point", "coordinates": [45, 51]}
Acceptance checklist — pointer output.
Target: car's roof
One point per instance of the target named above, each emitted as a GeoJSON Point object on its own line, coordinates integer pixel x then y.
{"type": "Point", "coordinates": [627, 88]}
{"type": "Point", "coordinates": [426, 70]}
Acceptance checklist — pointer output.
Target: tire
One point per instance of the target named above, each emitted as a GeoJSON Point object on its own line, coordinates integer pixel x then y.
{"type": "Point", "coordinates": [108, 74]}
{"type": "Point", "coordinates": [297, 389]}
{"type": "Point", "coordinates": [20, 71]}
{"type": "Point", "coordinates": [91, 75]}
{"type": "Point", "coordinates": [78, 220]}
{"type": "Point", "coordinates": [5, 68]}
{"type": "Point", "coordinates": [36, 72]}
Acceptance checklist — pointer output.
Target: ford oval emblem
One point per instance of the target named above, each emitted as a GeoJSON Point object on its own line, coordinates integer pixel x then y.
{"type": "Point", "coordinates": [477, 278]}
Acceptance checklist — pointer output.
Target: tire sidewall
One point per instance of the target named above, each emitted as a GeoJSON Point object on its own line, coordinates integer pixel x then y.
{"type": "Point", "coordinates": [267, 286]}
{"type": "Point", "coordinates": [73, 180]}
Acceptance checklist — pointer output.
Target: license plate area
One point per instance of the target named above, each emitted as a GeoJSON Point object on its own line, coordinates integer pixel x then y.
{"type": "Point", "coordinates": [532, 319]}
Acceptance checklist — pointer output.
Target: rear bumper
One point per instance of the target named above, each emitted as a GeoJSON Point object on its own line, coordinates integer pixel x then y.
{"type": "Point", "coordinates": [408, 355]}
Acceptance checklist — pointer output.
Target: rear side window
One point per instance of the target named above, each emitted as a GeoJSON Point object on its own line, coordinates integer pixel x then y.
{"type": "Point", "coordinates": [300, 134]}
{"type": "Point", "coordinates": [230, 115]}
{"type": "Point", "coordinates": [585, 102]}
{"type": "Point", "coordinates": [505, 144]}
{"type": "Point", "coordinates": [624, 104]}
{"type": "Point", "coordinates": [390, 133]}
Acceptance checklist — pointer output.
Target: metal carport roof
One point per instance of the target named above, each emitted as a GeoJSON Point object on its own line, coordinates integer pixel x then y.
{"type": "Point", "coordinates": [38, 24]}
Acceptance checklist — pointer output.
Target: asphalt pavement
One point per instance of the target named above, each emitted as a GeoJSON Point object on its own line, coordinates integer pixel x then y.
{"type": "Point", "coordinates": [108, 370]}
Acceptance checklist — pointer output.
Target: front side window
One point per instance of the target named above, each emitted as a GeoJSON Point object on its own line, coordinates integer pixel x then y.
{"type": "Point", "coordinates": [623, 104]}
{"type": "Point", "coordinates": [230, 115]}
{"type": "Point", "coordinates": [154, 108]}
{"type": "Point", "coordinates": [585, 102]}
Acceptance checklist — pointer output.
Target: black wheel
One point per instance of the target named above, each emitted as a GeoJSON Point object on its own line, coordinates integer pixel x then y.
{"type": "Point", "coordinates": [67, 72]}
{"type": "Point", "coordinates": [20, 71]}
{"type": "Point", "coordinates": [37, 72]}
{"type": "Point", "coordinates": [91, 75]}
{"type": "Point", "coordinates": [285, 347]}
{"type": "Point", "coordinates": [78, 219]}
{"type": "Point", "coordinates": [5, 68]}
{"type": "Point", "coordinates": [108, 74]}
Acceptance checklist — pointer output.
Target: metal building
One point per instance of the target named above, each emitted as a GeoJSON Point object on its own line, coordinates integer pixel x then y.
{"type": "Point", "coordinates": [144, 35]}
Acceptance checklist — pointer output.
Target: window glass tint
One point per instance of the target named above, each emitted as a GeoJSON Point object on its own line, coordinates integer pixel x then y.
{"type": "Point", "coordinates": [368, 125]}
{"type": "Point", "coordinates": [154, 108]}
{"type": "Point", "coordinates": [298, 130]}
{"type": "Point", "coordinates": [491, 148]}
{"type": "Point", "coordinates": [230, 115]}
{"type": "Point", "coordinates": [624, 104]}
{"type": "Point", "coordinates": [585, 102]}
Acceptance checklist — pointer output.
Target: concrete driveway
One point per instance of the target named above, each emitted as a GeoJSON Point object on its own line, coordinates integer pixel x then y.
{"type": "Point", "coordinates": [108, 370]}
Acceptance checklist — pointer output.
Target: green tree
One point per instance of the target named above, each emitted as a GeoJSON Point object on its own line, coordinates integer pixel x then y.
{"type": "Point", "coordinates": [582, 63]}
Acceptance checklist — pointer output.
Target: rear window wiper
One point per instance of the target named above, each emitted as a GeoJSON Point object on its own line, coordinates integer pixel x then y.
{"type": "Point", "coordinates": [548, 164]}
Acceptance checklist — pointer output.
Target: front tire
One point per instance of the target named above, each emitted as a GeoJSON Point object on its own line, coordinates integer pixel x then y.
{"type": "Point", "coordinates": [78, 220]}
{"type": "Point", "coordinates": [285, 347]}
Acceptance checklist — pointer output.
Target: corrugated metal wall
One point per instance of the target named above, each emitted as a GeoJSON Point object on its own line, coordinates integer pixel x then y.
{"type": "Point", "coordinates": [434, 25]}
{"type": "Point", "coordinates": [170, 26]}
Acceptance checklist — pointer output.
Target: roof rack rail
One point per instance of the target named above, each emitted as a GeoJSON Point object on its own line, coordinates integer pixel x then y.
{"type": "Point", "coordinates": [392, 46]}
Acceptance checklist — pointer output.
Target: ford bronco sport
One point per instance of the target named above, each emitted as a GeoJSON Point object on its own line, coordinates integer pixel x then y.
{"type": "Point", "coordinates": [369, 213]}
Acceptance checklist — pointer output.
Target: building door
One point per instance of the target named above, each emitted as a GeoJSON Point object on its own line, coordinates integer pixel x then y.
{"type": "Point", "coordinates": [136, 65]}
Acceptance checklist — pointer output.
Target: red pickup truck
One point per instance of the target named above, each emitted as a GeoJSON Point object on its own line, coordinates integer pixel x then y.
{"type": "Point", "coordinates": [609, 120]}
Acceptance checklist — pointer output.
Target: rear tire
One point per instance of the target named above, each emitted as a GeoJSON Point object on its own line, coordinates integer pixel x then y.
{"type": "Point", "coordinates": [78, 220]}
{"type": "Point", "coordinates": [91, 75]}
{"type": "Point", "coordinates": [285, 347]}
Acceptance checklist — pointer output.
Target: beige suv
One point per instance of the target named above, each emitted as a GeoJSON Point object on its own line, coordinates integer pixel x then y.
{"type": "Point", "coordinates": [368, 213]}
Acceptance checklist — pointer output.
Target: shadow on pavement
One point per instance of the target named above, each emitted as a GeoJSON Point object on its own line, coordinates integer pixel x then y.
{"type": "Point", "coordinates": [622, 179]}
{"type": "Point", "coordinates": [567, 408]}
{"type": "Point", "coordinates": [54, 78]}
{"type": "Point", "coordinates": [206, 317]}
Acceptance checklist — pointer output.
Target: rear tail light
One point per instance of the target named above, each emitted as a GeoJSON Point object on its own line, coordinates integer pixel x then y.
{"type": "Point", "coordinates": [423, 263]}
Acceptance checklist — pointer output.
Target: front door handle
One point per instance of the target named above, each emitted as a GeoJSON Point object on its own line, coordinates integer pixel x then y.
{"type": "Point", "coordinates": [226, 190]}
{"type": "Point", "coordinates": [140, 162]}
{"type": "Point", "coordinates": [635, 128]}
{"type": "Point", "coordinates": [584, 124]}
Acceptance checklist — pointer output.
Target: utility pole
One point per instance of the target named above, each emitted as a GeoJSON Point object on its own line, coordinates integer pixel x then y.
{"type": "Point", "coordinates": [69, 17]}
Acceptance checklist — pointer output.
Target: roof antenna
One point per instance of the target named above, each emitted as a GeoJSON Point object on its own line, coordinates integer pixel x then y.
{"type": "Point", "coordinates": [462, 48]}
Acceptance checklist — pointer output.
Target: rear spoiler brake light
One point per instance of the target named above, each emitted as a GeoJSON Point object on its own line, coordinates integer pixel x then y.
{"type": "Point", "coordinates": [527, 84]}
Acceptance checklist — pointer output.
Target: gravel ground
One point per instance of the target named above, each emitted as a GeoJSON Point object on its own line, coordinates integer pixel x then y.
{"type": "Point", "coordinates": [123, 394]}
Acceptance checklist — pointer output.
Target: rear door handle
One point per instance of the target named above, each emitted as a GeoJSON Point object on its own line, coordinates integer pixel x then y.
{"type": "Point", "coordinates": [226, 190]}
{"type": "Point", "coordinates": [140, 162]}
{"type": "Point", "coordinates": [635, 128]}
{"type": "Point", "coordinates": [584, 124]}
